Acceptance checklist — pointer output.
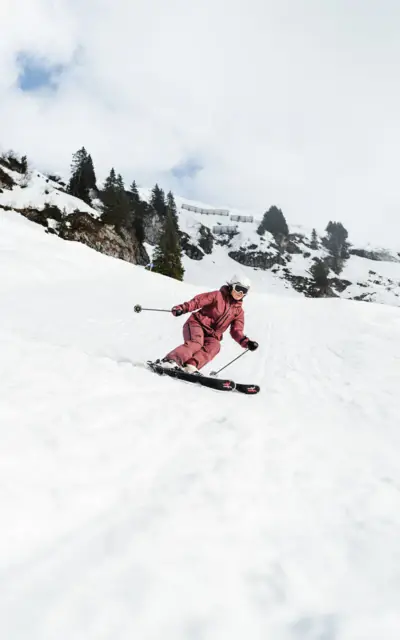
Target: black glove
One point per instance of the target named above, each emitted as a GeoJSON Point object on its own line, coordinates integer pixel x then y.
{"type": "Point", "coordinates": [177, 311]}
{"type": "Point", "coordinates": [252, 345]}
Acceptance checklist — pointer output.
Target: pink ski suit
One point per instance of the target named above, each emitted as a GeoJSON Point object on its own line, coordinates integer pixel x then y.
{"type": "Point", "coordinates": [202, 332]}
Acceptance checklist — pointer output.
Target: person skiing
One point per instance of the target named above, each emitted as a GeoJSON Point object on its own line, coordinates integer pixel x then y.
{"type": "Point", "coordinates": [214, 312]}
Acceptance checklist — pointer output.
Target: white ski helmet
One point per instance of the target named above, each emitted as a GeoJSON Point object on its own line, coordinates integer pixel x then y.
{"type": "Point", "coordinates": [241, 280]}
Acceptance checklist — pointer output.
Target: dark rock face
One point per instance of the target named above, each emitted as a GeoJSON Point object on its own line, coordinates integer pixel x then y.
{"type": "Point", "coordinates": [378, 256]}
{"type": "Point", "coordinates": [292, 247]}
{"type": "Point", "coordinates": [82, 227]}
{"type": "Point", "coordinates": [257, 259]}
{"type": "Point", "coordinates": [6, 181]}
{"type": "Point", "coordinates": [339, 284]}
{"type": "Point", "coordinates": [206, 241]}
{"type": "Point", "coordinates": [153, 226]}
{"type": "Point", "coordinates": [191, 250]}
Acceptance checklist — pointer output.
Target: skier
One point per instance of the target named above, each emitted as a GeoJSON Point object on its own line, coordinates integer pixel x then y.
{"type": "Point", "coordinates": [214, 312]}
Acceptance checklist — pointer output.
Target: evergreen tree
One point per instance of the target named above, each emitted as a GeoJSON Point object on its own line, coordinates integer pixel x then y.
{"type": "Point", "coordinates": [171, 206]}
{"type": "Point", "coordinates": [274, 221]}
{"type": "Point", "coordinates": [83, 177]}
{"type": "Point", "coordinates": [314, 239]}
{"type": "Point", "coordinates": [116, 207]}
{"type": "Point", "coordinates": [89, 173]}
{"type": "Point", "coordinates": [167, 255]}
{"type": "Point", "coordinates": [336, 243]}
{"type": "Point", "coordinates": [319, 272]}
{"type": "Point", "coordinates": [24, 165]}
{"type": "Point", "coordinates": [138, 209]}
{"type": "Point", "coordinates": [109, 197]}
{"type": "Point", "coordinates": [157, 201]}
{"type": "Point", "coordinates": [134, 193]}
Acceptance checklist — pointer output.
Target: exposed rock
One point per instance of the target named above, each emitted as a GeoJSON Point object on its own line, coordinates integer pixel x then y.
{"type": "Point", "coordinates": [206, 240]}
{"type": "Point", "coordinates": [34, 215]}
{"type": "Point", "coordinates": [378, 256]}
{"type": "Point", "coordinates": [291, 247]}
{"type": "Point", "coordinates": [339, 284]}
{"type": "Point", "coordinates": [82, 227]}
{"type": "Point", "coordinates": [11, 161]}
{"type": "Point", "coordinates": [190, 249]}
{"type": "Point", "coordinates": [153, 226]}
{"type": "Point", "coordinates": [260, 259]}
{"type": "Point", "coordinates": [6, 181]}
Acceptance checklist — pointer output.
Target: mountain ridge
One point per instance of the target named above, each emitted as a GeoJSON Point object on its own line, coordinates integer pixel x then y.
{"type": "Point", "coordinates": [370, 274]}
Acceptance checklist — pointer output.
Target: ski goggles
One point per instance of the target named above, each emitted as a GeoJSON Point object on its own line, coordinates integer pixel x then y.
{"type": "Point", "coordinates": [240, 288]}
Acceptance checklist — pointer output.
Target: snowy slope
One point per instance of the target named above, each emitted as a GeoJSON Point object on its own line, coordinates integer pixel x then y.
{"type": "Point", "coordinates": [36, 190]}
{"type": "Point", "coordinates": [369, 280]}
{"type": "Point", "coordinates": [137, 507]}
{"type": "Point", "coordinates": [374, 280]}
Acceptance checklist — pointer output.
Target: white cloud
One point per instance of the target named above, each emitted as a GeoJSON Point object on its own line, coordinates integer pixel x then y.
{"type": "Point", "coordinates": [294, 104]}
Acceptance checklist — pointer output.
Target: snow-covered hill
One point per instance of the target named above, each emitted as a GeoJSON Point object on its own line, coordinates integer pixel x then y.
{"type": "Point", "coordinates": [35, 190]}
{"type": "Point", "coordinates": [138, 507]}
{"type": "Point", "coordinates": [370, 274]}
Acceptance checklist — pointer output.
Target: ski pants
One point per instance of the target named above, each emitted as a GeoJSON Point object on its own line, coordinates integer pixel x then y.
{"type": "Point", "coordinates": [198, 348]}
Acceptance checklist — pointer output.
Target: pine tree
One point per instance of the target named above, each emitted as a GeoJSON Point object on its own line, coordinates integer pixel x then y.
{"type": "Point", "coordinates": [123, 208]}
{"type": "Point", "coordinates": [167, 255]}
{"type": "Point", "coordinates": [274, 221]}
{"type": "Point", "coordinates": [90, 175]}
{"type": "Point", "coordinates": [24, 165]}
{"type": "Point", "coordinates": [134, 192]}
{"type": "Point", "coordinates": [157, 201]}
{"type": "Point", "coordinates": [171, 206]}
{"type": "Point", "coordinates": [314, 240]}
{"type": "Point", "coordinates": [109, 196]}
{"type": "Point", "coordinates": [319, 272]}
{"type": "Point", "coordinates": [336, 243]}
{"type": "Point", "coordinates": [83, 177]}
{"type": "Point", "coordinates": [138, 209]}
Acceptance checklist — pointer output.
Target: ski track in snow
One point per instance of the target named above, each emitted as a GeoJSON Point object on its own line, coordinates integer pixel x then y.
{"type": "Point", "coordinates": [135, 506]}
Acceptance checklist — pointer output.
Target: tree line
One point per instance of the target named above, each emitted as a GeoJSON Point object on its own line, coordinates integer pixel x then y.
{"type": "Point", "coordinates": [126, 210]}
{"type": "Point", "coordinates": [335, 242]}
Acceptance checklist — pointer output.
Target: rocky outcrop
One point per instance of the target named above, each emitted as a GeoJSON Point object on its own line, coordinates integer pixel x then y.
{"type": "Point", "coordinates": [6, 181]}
{"type": "Point", "coordinates": [206, 239]}
{"type": "Point", "coordinates": [191, 250]}
{"type": "Point", "coordinates": [121, 244]}
{"type": "Point", "coordinates": [153, 226]}
{"type": "Point", "coordinates": [339, 284]}
{"type": "Point", "coordinates": [82, 227]}
{"type": "Point", "coordinates": [257, 259]}
{"type": "Point", "coordinates": [378, 256]}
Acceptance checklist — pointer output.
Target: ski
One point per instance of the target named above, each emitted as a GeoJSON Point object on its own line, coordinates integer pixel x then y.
{"type": "Point", "coordinates": [204, 381]}
{"type": "Point", "coordinates": [249, 389]}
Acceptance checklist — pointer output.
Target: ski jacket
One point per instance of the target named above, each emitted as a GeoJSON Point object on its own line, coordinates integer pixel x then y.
{"type": "Point", "coordinates": [217, 310]}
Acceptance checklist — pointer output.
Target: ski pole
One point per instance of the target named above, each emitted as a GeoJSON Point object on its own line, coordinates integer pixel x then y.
{"type": "Point", "coordinates": [137, 308]}
{"type": "Point", "coordinates": [214, 373]}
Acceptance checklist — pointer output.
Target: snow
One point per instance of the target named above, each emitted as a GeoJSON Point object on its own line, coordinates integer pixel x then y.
{"type": "Point", "coordinates": [36, 190]}
{"type": "Point", "coordinates": [383, 286]}
{"type": "Point", "coordinates": [138, 507]}
{"type": "Point", "coordinates": [379, 281]}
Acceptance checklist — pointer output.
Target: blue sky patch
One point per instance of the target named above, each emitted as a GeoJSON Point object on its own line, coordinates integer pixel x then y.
{"type": "Point", "coordinates": [187, 169]}
{"type": "Point", "coordinates": [36, 73]}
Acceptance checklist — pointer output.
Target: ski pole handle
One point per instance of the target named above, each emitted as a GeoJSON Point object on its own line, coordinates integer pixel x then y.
{"type": "Point", "coordinates": [137, 308]}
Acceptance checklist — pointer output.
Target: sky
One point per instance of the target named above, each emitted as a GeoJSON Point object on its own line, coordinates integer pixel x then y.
{"type": "Point", "coordinates": [245, 104]}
